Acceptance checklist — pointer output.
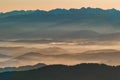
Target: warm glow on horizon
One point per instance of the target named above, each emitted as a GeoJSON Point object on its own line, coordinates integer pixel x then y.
{"type": "Point", "coordinates": [9, 5]}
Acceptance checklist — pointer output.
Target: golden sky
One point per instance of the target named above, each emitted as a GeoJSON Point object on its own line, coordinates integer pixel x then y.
{"type": "Point", "coordinates": [9, 5]}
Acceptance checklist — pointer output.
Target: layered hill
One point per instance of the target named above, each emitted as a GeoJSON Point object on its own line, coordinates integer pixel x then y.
{"type": "Point", "coordinates": [59, 22]}
{"type": "Point", "coordinates": [106, 56]}
{"type": "Point", "coordinates": [62, 72]}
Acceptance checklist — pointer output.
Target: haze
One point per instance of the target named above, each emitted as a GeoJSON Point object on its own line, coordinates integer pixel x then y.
{"type": "Point", "coordinates": [86, 35]}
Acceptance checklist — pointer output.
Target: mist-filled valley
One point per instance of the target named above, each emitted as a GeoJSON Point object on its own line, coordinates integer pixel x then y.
{"type": "Point", "coordinates": [59, 36]}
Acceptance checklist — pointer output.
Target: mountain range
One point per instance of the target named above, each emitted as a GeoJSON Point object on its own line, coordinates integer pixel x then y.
{"type": "Point", "coordinates": [62, 72]}
{"type": "Point", "coordinates": [55, 23]}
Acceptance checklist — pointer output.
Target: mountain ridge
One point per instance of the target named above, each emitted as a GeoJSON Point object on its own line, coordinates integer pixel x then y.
{"type": "Point", "coordinates": [22, 68]}
{"type": "Point", "coordinates": [62, 72]}
{"type": "Point", "coordinates": [20, 24]}
{"type": "Point", "coordinates": [61, 9]}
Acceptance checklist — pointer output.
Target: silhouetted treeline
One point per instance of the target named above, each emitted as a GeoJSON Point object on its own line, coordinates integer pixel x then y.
{"type": "Point", "coordinates": [62, 72]}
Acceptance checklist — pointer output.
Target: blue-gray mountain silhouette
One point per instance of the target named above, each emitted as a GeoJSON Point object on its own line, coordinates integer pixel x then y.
{"type": "Point", "coordinates": [22, 68]}
{"type": "Point", "coordinates": [57, 22]}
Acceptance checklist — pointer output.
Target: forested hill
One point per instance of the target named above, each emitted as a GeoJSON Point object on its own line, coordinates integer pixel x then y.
{"type": "Point", "coordinates": [62, 72]}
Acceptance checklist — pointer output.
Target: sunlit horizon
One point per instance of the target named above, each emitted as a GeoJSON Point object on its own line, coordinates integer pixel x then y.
{"type": "Point", "coordinates": [56, 8]}
{"type": "Point", "coordinates": [10, 5]}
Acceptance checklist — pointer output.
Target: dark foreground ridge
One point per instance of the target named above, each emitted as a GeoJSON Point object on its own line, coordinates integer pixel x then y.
{"type": "Point", "coordinates": [62, 72]}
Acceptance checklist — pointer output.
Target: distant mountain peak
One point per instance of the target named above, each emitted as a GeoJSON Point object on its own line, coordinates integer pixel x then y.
{"type": "Point", "coordinates": [61, 9]}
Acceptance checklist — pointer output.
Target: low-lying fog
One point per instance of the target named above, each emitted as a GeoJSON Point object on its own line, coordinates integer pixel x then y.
{"type": "Point", "coordinates": [21, 53]}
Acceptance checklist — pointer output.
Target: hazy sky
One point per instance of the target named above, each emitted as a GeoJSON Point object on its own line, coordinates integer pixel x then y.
{"type": "Point", "coordinates": [8, 5]}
